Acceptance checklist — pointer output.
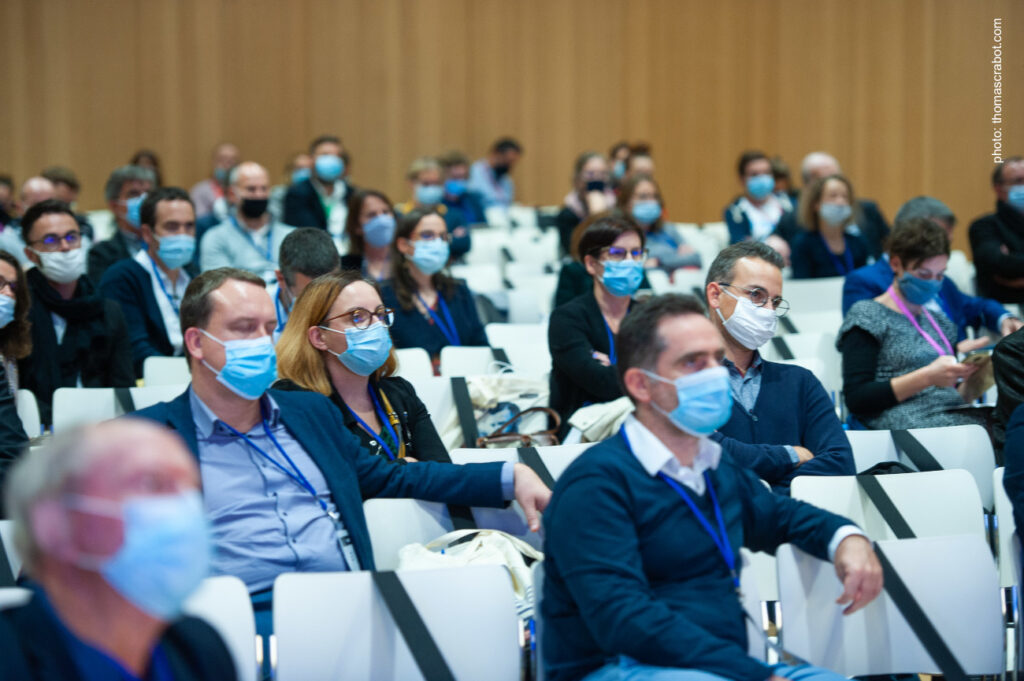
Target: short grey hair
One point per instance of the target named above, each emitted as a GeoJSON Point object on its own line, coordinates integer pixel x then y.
{"type": "Point", "coordinates": [924, 207]}
{"type": "Point", "coordinates": [813, 159]}
{"type": "Point", "coordinates": [124, 174]}
{"type": "Point", "coordinates": [722, 269]}
{"type": "Point", "coordinates": [243, 166]}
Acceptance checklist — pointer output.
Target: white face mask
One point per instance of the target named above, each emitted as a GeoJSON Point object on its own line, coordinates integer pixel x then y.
{"type": "Point", "coordinates": [749, 325]}
{"type": "Point", "coordinates": [62, 267]}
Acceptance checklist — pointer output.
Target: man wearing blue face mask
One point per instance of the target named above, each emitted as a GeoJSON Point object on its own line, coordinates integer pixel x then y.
{"type": "Point", "coordinates": [123, 192]}
{"type": "Point", "coordinates": [756, 213]}
{"type": "Point", "coordinates": [151, 285]}
{"type": "Point", "coordinates": [664, 603]}
{"type": "Point", "coordinates": [457, 193]}
{"type": "Point", "coordinates": [109, 523]}
{"type": "Point", "coordinates": [321, 200]}
{"type": "Point", "coordinates": [997, 239]}
{"type": "Point", "coordinates": [208, 195]}
{"type": "Point", "coordinates": [428, 192]}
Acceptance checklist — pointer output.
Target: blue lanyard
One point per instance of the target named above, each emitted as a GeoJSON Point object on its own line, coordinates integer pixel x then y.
{"type": "Point", "coordinates": [160, 280]}
{"type": "Point", "coordinates": [611, 342]}
{"type": "Point", "coordinates": [382, 415]}
{"type": "Point", "coordinates": [282, 318]}
{"type": "Point", "coordinates": [448, 331]}
{"type": "Point", "coordinates": [269, 255]}
{"type": "Point", "coordinates": [844, 267]}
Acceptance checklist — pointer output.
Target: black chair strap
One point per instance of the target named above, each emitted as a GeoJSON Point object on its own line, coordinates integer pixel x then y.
{"type": "Point", "coordinates": [414, 630]}
{"type": "Point", "coordinates": [124, 399]}
{"type": "Point", "coordinates": [462, 517]}
{"type": "Point", "coordinates": [915, 451]}
{"type": "Point", "coordinates": [883, 502]}
{"type": "Point", "coordinates": [464, 409]}
{"type": "Point", "coordinates": [782, 347]}
{"type": "Point", "coordinates": [7, 576]}
{"type": "Point", "coordinates": [500, 355]}
{"type": "Point", "coordinates": [699, 292]}
{"type": "Point", "coordinates": [531, 457]}
{"type": "Point", "coordinates": [787, 325]}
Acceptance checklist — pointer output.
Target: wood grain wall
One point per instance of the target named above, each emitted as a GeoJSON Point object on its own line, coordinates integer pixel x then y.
{"type": "Point", "coordinates": [899, 90]}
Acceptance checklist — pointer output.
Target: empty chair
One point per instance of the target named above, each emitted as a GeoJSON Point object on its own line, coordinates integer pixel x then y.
{"type": "Point", "coordinates": [659, 281]}
{"type": "Point", "coordinates": [533, 359]}
{"type": "Point", "coordinates": [818, 321]}
{"type": "Point", "coordinates": [481, 279]}
{"type": "Point", "coordinates": [394, 523]}
{"type": "Point", "coordinates": [225, 604]}
{"type": "Point", "coordinates": [718, 232]}
{"type": "Point", "coordinates": [78, 406]}
{"type": "Point", "coordinates": [435, 392]}
{"type": "Point", "coordinates": [487, 247]}
{"type": "Point", "coordinates": [533, 246]}
{"type": "Point", "coordinates": [523, 269]}
{"type": "Point", "coordinates": [531, 298]}
{"type": "Point", "coordinates": [459, 360]}
{"type": "Point", "coordinates": [337, 625]}
{"type": "Point", "coordinates": [165, 371]}
{"type": "Point", "coordinates": [413, 363]}
{"type": "Point", "coordinates": [523, 218]}
{"type": "Point", "coordinates": [814, 295]}
{"type": "Point", "coordinates": [508, 335]}
{"type": "Point", "coordinates": [954, 580]}
{"type": "Point", "coordinates": [28, 412]}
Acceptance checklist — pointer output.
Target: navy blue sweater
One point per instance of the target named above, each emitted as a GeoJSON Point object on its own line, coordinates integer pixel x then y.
{"type": "Point", "coordinates": [629, 570]}
{"type": "Point", "coordinates": [791, 409]}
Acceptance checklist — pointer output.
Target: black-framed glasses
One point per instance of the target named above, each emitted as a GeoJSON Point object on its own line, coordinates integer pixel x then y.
{"type": "Point", "coordinates": [759, 297]}
{"type": "Point", "coordinates": [362, 318]}
{"type": "Point", "coordinates": [4, 285]}
{"type": "Point", "coordinates": [52, 242]}
{"type": "Point", "coordinates": [618, 254]}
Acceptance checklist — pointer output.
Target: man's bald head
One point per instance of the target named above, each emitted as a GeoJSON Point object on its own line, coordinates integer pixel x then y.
{"type": "Point", "coordinates": [817, 165]}
{"type": "Point", "coordinates": [36, 189]}
{"type": "Point", "coordinates": [249, 180]}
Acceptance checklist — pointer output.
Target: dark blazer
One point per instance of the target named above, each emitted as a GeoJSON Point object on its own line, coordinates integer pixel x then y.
{"type": "Point", "coordinates": [740, 228]}
{"type": "Point", "coordinates": [413, 330]}
{"type": "Point", "coordinates": [811, 256]}
{"type": "Point", "coordinates": [33, 648]}
{"type": "Point", "coordinates": [415, 427]}
{"type": "Point", "coordinates": [1008, 367]}
{"type": "Point", "coordinates": [13, 439]}
{"type": "Point", "coordinates": [575, 332]}
{"type": "Point", "coordinates": [1013, 458]}
{"type": "Point", "coordinates": [471, 205]}
{"type": "Point", "coordinates": [990, 234]}
{"type": "Point", "coordinates": [129, 283]}
{"type": "Point", "coordinates": [302, 205]}
{"type": "Point", "coordinates": [105, 253]}
{"type": "Point", "coordinates": [352, 473]}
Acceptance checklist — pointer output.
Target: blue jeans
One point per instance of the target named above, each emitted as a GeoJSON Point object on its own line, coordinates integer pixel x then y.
{"type": "Point", "coordinates": [628, 669]}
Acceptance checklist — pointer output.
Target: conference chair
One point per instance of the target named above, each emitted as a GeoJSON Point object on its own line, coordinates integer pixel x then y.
{"type": "Point", "coordinates": [815, 321]}
{"type": "Point", "coordinates": [814, 295]}
{"type": "Point", "coordinates": [225, 605]}
{"type": "Point", "coordinates": [394, 523]}
{"type": "Point", "coordinates": [165, 371]}
{"type": "Point", "coordinates": [509, 335]}
{"type": "Point", "coordinates": [531, 298]}
{"type": "Point", "coordinates": [28, 412]}
{"type": "Point", "coordinates": [10, 552]}
{"type": "Point", "coordinates": [1009, 561]}
{"type": "Point", "coordinates": [79, 406]}
{"type": "Point", "coordinates": [413, 363]}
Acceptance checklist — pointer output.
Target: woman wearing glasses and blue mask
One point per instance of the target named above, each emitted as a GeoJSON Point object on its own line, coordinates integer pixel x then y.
{"type": "Point", "coordinates": [337, 343]}
{"type": "Point", "coordinates": [581, 333]}
{"type": "Point", "coordinates": [900, 367]}
{"type": "Point", "coordinates": [432, 310]}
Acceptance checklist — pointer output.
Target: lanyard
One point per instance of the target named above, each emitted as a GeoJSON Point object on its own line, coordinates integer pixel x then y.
{"type": "Point", "coordinates": [447, 330]}
{"type": "Point", "coordinates": [382, 415]}
{"type": "Point", "coordinates": [269, 255]}
{"type": "Point", "coordinates": [163, 287]}
{"type": "Point", "coordinates": [282, 316]}
{"type": "Point", "coordinates": [611, 342]}
{"type": "Point", "coordinates": [931, 341]}
{"type": "Point", "coordinates": [844, 267]}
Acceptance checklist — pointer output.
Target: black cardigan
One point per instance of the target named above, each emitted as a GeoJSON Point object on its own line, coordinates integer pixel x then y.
{"type": "Point", "coordinates": [416, 429]}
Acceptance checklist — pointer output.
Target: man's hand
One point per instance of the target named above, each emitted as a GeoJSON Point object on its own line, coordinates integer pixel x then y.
{"type": "Point", "coordinates": [804, 455]}
{"type": "Point", "coordinates": [1009, 325]}
{"type": "Point", "coordinates": [969, 344]}
{"type": "Point", "coordinates": [533, 495]}
{"type": "Point", "coordinates": [859, 571]}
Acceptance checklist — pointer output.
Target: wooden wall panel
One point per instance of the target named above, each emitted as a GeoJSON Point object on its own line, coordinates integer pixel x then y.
{"type": "Point", "coordinates": [900, 92]}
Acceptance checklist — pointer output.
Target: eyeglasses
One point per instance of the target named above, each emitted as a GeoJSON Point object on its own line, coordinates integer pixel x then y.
{"type": "Point", "coordinates": [362, 318]}
{"type": "Point", "coordinates": [51, 242]}
{"type": "Point", "coordinates": [759, 297]}
{"type": "Point", "coordinates": [4, 285]}
{"type": "Point", "coordinates": [618, 254]}
{"type": "Point", "coordinates": [430, 236]}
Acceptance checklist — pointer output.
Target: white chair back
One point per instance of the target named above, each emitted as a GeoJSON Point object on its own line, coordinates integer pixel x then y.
{"type": "Point", "coordinates": [7, 537]}
{"type": "Point", "coordinates": [413, 363]}
{"type": "Point", "coordinates": [14, 596]}
{"type": "Point", "coordinates": [510, 335]}
{"type": "Point", "coordinates": [394, 523]}
{"type": "Point", "coordinates": [531, 298]}
{"type": "Point", "coordinates": [962, 272]}
{"type": "Point", "coordinates": [1006, 528]}
{"type": "Point", "coordinates": [80, 406]}
{"type": "Point", "coordinates": [814, 295]}
{"type": "Point", "coordinates": [825, 321]}
{"type": "Point", "coordinates": [461, 360]}
{"type": "Point", "coordinates": [659, 281]}
{"type": "Point", "coordinates": [165, 371]}
{"type": "Point", "coordinates": [28, 412]}
{"type": "Point", "coordinates": [436, 394]}
{"type": "Point", "coordinates": [336, 625]}
{"type": "Point", "coordinates": [225, 605]}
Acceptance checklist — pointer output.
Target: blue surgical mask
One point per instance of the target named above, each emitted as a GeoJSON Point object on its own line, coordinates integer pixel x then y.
{"type": "Point", "coordinates": [760, 186]}
{"type": "Point", "coordinates": [622, 278]}
{"type": "Point", "coordinates": [646, 212]}
{"type": "Point", "coordinates": [455, 188]}
{"type": "Point", "coordinates": [368, 348]}
{"type": "Point", "coordinates": [705, 401]}
{"type": "Point", "coordinates": [1015, 197]}
{"type": "Point", "coordinates": [429, 194]}
{"type": "Point", "coordinates": [176, 250]}
{"type": "Point", "coordinates": [835, 213]}
{"type": "Point", "coordinates": [619, 170]}
{"type": "Point", "coordinates": [221, 175]}
{"type": "Point", "coordinates": [300, 174]}
{"type": "Point", "coordinates": [7, 305]}
{"type": "Point", "coordinates": [133, 210]}
{"type": "Point", "coordinates": [250, 365]}
{"type": "Point", "coordinates": [917, 290]}
{"type": "Point", "coordinates": [329, 167]}
{"type": "Point", "coordinates": [380, 230]}
{"type": "Point", "coordinates": [165, 553]}
{"type": "Point", "coordinates": [430, 257]}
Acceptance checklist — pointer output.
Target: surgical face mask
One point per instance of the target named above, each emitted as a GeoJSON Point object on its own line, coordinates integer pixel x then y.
{"type": "Point", "coordinates": [176, 250]}
{"type": "Point", "coordinates": [646, 212]}
{"type": "Point", "coordinates": [705, 401]}
{"type": "Point", "coordinates": [62, 267]}
{"type": "Point", "coordinates": [7, 305]}
{"type": "Point", "coordinates": [917, 290]}
{"type": "Point", "coordinates": [222, 175]}
{"type": "Point", "coordinates": [165, 553]}
{"type": "Point", "coordinates": [749, 325]}
{"type": "Point", "coordinates": [253, 208]}
{"type": "Point", "coordinates": [329, 167]}
{"type": "Point", "coordinates": [429, 194]}
{"type": "Point", "coordinates": [760, 186]}
{"type": "Point", "coordinates": [455, 188]}
{"type": "Point", "coordinates": [1015, 197]}
{"type": "Point", "coordinates": [430, 257]}
{"type": "Point", "coordinates": [595, 186]}
{"type": "Point", "coordinates": [368, 348]}
{"type": "Point", "coordinates": [379, 230]}
{"type": "Point", "coordinates": [619, 170]}
{"type": "Point", "coordinates": [250, 365]}
{"type": "Point", "coordinates": [300, 174]}
{"type": "Point", "coordinates": [835, 213]}
{"type": "Point", "coordinates": [133, 210]}
{"type": "Point", "coordinates": [622, 278]}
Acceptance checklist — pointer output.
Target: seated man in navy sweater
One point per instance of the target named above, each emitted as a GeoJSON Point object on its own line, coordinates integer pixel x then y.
{"type": "Point", "coordinates": [283, 478]}
{"type": "Point", "coordinates": [644, 529]}
{"type": "Point", "coordinates": [782, 408]}
{"type": "Point", "coordinates": [962, 309]}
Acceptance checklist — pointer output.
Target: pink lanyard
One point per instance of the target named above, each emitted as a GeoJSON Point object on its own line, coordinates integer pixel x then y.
{"type": "Point", "coordinates": [903, 308]}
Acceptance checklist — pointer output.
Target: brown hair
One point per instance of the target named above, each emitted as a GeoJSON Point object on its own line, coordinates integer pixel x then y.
{"type": "Point", "coordinates": [602, 230]}
{"type": "Point", "coordinates": [353, 228]}
{"type": "Point", "coordinates": [403, 283]}
{"type": "Point", "coordinates": [627, 190]}
{"type": "Point", "coordinates": [297, 359]}
{"type": "Point", "coordinates": [915, 240]}
{"type": "Point", "coordinates": [16, 337]}
{"type": "Point", "coordinates": [810, 197]}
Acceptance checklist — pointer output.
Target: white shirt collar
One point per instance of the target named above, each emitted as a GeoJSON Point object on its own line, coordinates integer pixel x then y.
{"type": "Point", "coordinates": [656, 458]}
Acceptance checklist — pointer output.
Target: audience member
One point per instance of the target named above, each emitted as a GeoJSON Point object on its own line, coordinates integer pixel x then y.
{"type": "Point", "coordinates": [1008, 371]}
{"type": "Point", "coordinates": [432, 310]}
{"type": "Point", "coordinates": [124, 190]}
{"type": "Point", "coordinates": [638, 582]}
{"type": "Point", "coordinates": [8, 209]}
{"type": "Point", "coordinates": [147, 158]}
{"type": "Point", "coordinates": [618, 155]}
{"type": "Point", "coordinates": [457, 194]}
{"type": "Point", "coordinates": [581, 333]}
{"type": "Point", "coordinates": [370, 229]}
{"type": "Point", "coordinates": [962, 309]}
{"type": "Point", "coordinates": [425, 180]}
{"type": "Point", "coordinates": [782, 405]}
{"type": "Point", "coordinates": [892, 378]}
{"type": "Point", "coordinates": [208, 195]}
{"type": "Point", "coordinates": [66, 188]}
{"type": "Point", "coordinates": [755, 214]}
{"type": "Point", "coordinates": [78, 337]}
{"type": "Point", "coordinates": [13, 440]}
{"type": "Point", "coordinates": [591, 194]}
{"type": "Point", "coordinates": [997, 239]}
{"type": "Point", "coordinates": [339, 345]}
{"type": "Point", "coordinates": [150, 286]}
{"type": "Point", "coordinates": [283, 478]}
{"type": "Point", "coordinates": [33, 190]}
{"type": "Point", "coordinates": [573, 279]}
{"type": "Point", "coordinates": [298, 168]}
{"type": "Point", "coordinates": [110, 524]}
{"type": "Point", "coordinates": [15, 328]}
{"type": "Point", "coordinates": [249, 238]}
{"type": "Point", "coordinates": [491, 177]}
{"type": "Point", "coordinates": [639, 161]}
{"type": "Point", "coordinates": [306, 253]}
{"type": "Point", "coordinates": [640, 198]}
{"type": "Point", "coordinates": [321, 199]}
{"type": "Point", "coordinates": [825, 249]}
{"type": "Point", "coordinates": [783, 180]}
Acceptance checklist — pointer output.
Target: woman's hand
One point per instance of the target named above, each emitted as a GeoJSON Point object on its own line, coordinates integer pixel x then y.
{"type": "Point", "coordinates": [946, 372]}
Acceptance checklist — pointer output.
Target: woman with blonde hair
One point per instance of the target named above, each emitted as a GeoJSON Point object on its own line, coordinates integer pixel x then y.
{"type": "Point", "coordinates": [337, 342]}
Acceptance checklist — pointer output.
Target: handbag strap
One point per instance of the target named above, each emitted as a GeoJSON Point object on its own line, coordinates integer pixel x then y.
{"type": "Point", "coordinates": [500, 355]}
{"type": "Point", "coordinates": [531, 457]}
{"type": "Point", "coordinates": [782, 347]}
{"type": "Point", "coordinates": [884, 503]}
{"type": "Point", "coordinates": [464, 410]}
{"type": "Point", "coordinates": [787, 325]}
{"type": "Point", "coordinates": [915, 451]}
{"type": "Point", "coordinates": [124, 400]}
{"type": "Point", "coordinates": [551, 413]}
{"type": "Point", "coordinates": [422, 645]}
